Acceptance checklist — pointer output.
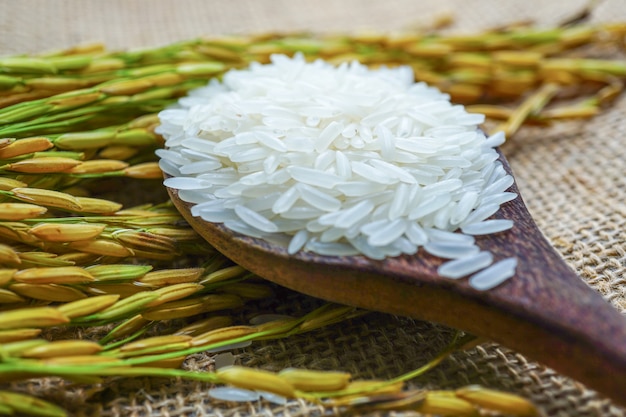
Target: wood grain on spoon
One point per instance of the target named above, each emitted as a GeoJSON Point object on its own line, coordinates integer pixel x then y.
{"type": "Point", "coordinates": [545, 311]}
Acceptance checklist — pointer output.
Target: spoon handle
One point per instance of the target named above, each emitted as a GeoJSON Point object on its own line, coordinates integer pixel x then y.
{"type": "Point", "coordinates": [545, 311]}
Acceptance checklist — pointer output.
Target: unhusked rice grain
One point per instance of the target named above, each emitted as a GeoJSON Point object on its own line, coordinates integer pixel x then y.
{"type": "Point", "coordinates": [338, 160]}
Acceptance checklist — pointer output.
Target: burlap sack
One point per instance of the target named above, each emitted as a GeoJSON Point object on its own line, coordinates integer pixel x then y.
{"type": "Point", "coordinates": [572, 177]}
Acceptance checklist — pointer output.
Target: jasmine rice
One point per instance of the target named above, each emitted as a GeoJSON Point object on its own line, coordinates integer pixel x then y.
{"type": "Point", "coordinates": [340, 161]}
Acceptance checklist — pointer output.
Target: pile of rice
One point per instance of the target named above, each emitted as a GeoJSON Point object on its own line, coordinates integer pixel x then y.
{"type": "Point", "coordinates": [340, 161]}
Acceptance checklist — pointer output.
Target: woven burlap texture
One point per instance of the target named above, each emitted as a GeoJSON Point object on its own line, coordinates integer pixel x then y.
{"type": "Point", "coordinates": [571, 176]}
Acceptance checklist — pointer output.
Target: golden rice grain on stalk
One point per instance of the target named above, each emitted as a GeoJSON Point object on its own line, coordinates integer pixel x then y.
{"type": "Point", "coordinates": [220, 53]}
{"type": "Point", "coordinates": [28, 65]}
{"type": "Point", "coordinates": [520, 59]}
{"type": "Point", "coordinates": [126, 87]}
{"type": "Point", "coordinates": [8, 255]}
{"type": "Point", "coordinates": [276, 326]}
{"type": "Point", "coordinates": [7, 184]}
{"type": "Point", "coordinates": [223, 274]}
{"type": "Point", "coordinates": [84, 140]}
{"type": "Point", "coordinates": [200, 68]}
{"type": "Point", "coordinates": [144, 121]}
{"type": "Point", "coordinates": [25, 146]}
{"type": "Point", "coordinates": [118, 272]}
{"type": "Point", "coordinates": [20, 211]}
{"type": "Point", "coordinates": [32, 317]}
{"type": "Point", "coordinates": [57, 275]}
{"type": "Point", "coordinates": [255, 379]}
{"type": "Point", "coordinates": [38, 256]}
{"type": "Point", "coordinates": [104, 65]}
{"type": "Point", "coordinates": [18, 232]}
{"type": "Point", "coordinates": [164, 346]}
{"type": "Point", "coordinates": [205, 325]}
{"type": "Point", "coordinates": [16, 348]}
{"type": "Point", "coordinates": [174, 292]}
{"type": "Point", "coordinates": [14, 335]}
{"type": "Point", "coordinates": [118, 152]}
{"type": "Point", "coordinates": [66, 232]}
{"type": "Point", "coordinates": [504, 402]}
{"type": "Point", "coordinates": [569, 112]}
{"type": "Point", "coordinates": [98, 166]}
{"type": "Point", "coordinates": [156, 255]}
{"type": "Point", "coordinates": [126, 306]}
{"type": "Point", "coordinates": [97, 205]}
{"type": "Point", "coordinates": [171, 276]}
{"type": "Point", "coordinates": [42, 259]}
{"type": "Point", "coordinates": [56, 84]}
{"type": "Point", "coordinates": [6, 275]}
{"type": "Point", "coordinates": [532, 104]}
{"type": "Point", "coordinates": [138, 137]}
{"type": "Point", "coordinates": [47, 198]}
{"type": "Point", "coordinates": [155, 341]}
{"type": "Point", "coordinates": [179, 234]}
{"type": "Point", "coordinates": [463, 93]}
{"type": "Point", "coordinates": [175, 310]}
{"type": "Point", "coordinates": [310, 380]}
{"type": "Point", "coordinates": [165, 79]}
{"type": "Point", "coordinates": [248, 290]}
{"type": "Point", "coordinates": [105, 247]}
{"type": "Point", "coordinates": [128, 327]}
{"type": "Point", "coordinates": [370, 387]}
{"type": "Point", "coordinates": [325, 316]}
{"type": "Point", "coordinates": [75, 98]}
{"type": "Point", "coordinates": [88, 306]}
{"type": "Point", "coordinates": [124, 290]}
{"type": "Point", "coordinates": [9, 100]}
{"type": "Point", "coordinates": [146, 241]}
{"type": "Point", "coordinates": [45, 165]}
{"type": "Point", "coordinates": [193, 306]}
{"type": "Point", "coordinates": [9, 297]}
{"type": "Point", "coordinates": [28, 405]}
{"type": "Point", "coordinates": [172, 363]}
{"type": "Point", "coordinates": [147, 170]}
{"type": "Point", "coordinates": [443, 404]}
{"type": "Point", "coordinates": [62, 348]}
{"type": "Point", "coordinates": [48, 292]}
{"type": "Point", "coordinates": [223, 334]}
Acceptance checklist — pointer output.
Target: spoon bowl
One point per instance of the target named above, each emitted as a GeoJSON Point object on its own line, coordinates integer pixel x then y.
{"type": "Point", "coordinates": [545, 311]}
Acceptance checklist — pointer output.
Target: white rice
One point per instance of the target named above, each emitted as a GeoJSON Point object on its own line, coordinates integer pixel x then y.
{"type": "Point", "coordinates": [233, 394]}
{"type": "Point", "coordinates": [273, 398]}
{"type": "Point", "coordinates": [494, 275]}
{"type": "Point", "coordinates": [223, 360]}
{"type": "Point", "coordinates": [338, 161]}
{"type": "Point", "coordinates": [462, 267]}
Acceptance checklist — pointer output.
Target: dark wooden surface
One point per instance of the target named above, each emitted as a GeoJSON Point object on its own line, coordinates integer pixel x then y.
{"type": "Point", "coordinates": [545, 311]}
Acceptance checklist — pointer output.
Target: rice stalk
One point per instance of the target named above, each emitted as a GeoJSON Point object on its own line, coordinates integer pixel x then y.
{"type": "Point", "coordinates": [14, 335]}
{"type": "Point", "coordinates": [499, 401]}
{"type": "Point", "coordinates": [531, 105]}
{"type": "Point", "coordinates": [57, 275]}
{"type": "Point", "coordinates": [20, 211]}
{"type": "Point", "coordinates": [48, 292]}
{"type": "Point", "coordinates": [62, 348]}
{"type": "Point", "coordinates": [10, 297]}
{"type": "Point", "coordinates": [12, 403]}
{"type": "Point", "coordinates": [35, 317]}
{"type": "Point", "coordinates": [87, 306]}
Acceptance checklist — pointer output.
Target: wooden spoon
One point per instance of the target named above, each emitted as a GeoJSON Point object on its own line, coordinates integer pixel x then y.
{"type": "Point", "coordinates": [545, 311]}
